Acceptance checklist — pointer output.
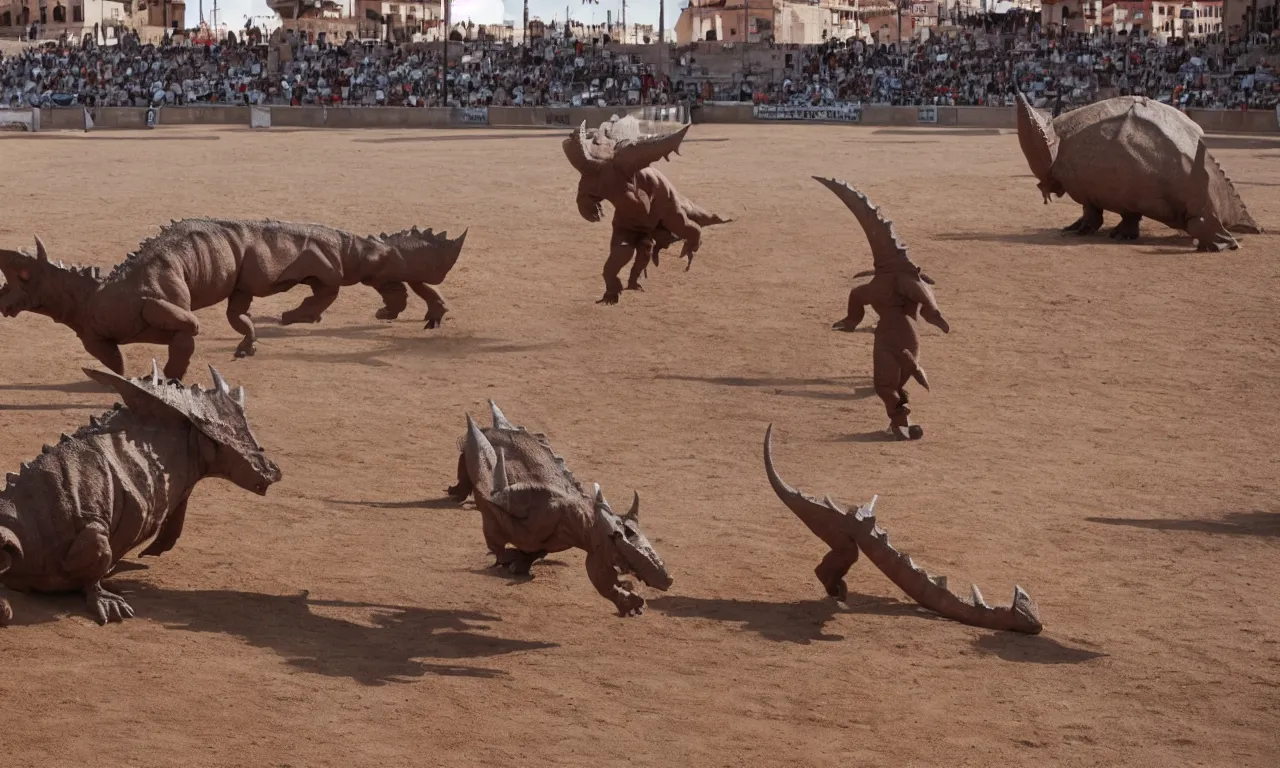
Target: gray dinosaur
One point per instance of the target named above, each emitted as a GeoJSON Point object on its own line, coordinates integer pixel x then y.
{"type": "Point", "coordinates": [83, 504]}
{"type": "Point", "coordinates": [528, 498]}
{"type": "Point", "coordinates": [1135, 157]}
{"type": "Point", "coordinates": [848, 532]}
{"type": "Point", "coordinates": [151, 297]}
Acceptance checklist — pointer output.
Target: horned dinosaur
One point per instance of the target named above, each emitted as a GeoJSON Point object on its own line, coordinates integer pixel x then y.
{"type": "Point", "coordinates": [529, 499]}
{"type": "Point", "coordinates": [74, 511]}
{"type": "Point", "coordinates": [152, 295]}
{"type": "Point", "coordinates": [649, 215]}
{"type": "Point", "coordinates": [899, 291]}
{"type": "Point", "coordinates": [1135, 157]}
{"type": "Point", "coordinates": [848, 532]}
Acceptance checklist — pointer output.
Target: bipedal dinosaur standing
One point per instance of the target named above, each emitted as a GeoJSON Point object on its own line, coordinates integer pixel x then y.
{"type": "Point", "coordinates": [848, 532]}
{"type": "Point", "coordinates": [1136, 157]}
{"type": "Point", "coordinates": [528, 498]}
{"type": "Point", "coordinates": [649, 214]}
{"type": "Point", "coordinates": [151, 297]}
{"type": "Point", "coordinates": [898, 292]}
{"type": "Point", "coordinates": [83, 504]}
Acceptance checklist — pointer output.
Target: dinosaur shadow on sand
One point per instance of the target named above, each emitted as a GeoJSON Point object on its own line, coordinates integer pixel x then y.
{"type": "Point", "coordinates": [1170, 242]}
{"type": "Point", "coordinates": [441, 503]}
{"type": "Point", "coordinates": [1255, 523]}
{"type": "Point", "coordinates": [87, 386]}
{"type": "Point", "coordinates": [434, 345]}
{"type": "Point", "coordinates": [391, 644]}
{"type": "Point", "coordinates": [801, 622]}
{"type": "Point", "coordinates": [834, 388]}
{"type": "Point", "coordinates": [1032, 649]}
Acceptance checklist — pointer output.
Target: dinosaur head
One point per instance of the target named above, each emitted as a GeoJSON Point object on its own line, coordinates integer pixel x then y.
{"type": "Point", "coordinates": [218, 414]}
{"type": "Point", "coordinates": [421, 256]}
{"type": "Point", "coordinates": [10, 552]}
{"type": "Point", "coordinates": [37, 284]}
{"type": "Point", "coordinates": [1039, 144]}
{"type": "Point", "coordinates": [635, 555]}
{"type": "Point", "coordinates": [620, 143]}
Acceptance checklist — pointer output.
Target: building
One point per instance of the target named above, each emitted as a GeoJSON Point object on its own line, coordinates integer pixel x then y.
{"type": "Point", "coordinates": [76, 18]}
{"type": "Point", "coordinates": [781, 21]}
{"type": "Point", "coordinates": [1162, 21]}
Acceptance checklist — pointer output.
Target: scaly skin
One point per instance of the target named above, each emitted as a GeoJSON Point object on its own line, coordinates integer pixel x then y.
{"type": "Point", "coordinates": [531, 505]}
{"type": "Point", "coordinates": [649, 215]}
{"type": "Point", "coordinates": [152, 296]}
{"type": "Point", "coordinates": [72, 513]}
{"type": "Point", "coordinates": [898, 291]}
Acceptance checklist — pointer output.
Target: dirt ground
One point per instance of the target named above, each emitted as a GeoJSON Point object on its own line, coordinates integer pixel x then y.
{"type": "Point", "coordinates": [1102, 430]}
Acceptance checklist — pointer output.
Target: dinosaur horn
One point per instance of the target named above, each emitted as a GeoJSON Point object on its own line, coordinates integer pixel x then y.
{"type": "Point", "coordinates": [41, 253]}
{"type": "Point", "coordinates": [477, 451]}
{"type": "Point", "coordinates": [886, 248]}
{"type": "Point", "coordinates": [218, 382]}
{"type": "Point", "coordinates": [821, 520]}
{"type": "Point", "coordinates": [634, 154]}
{"type": "Point", "coordinates": [155, 372]}
{"type": "Point", "coordinates": [633, 514]}
{"type": "Point", "coordinates": [1037, 138]}
{"type": "Point", "coordinates": [238, 395]}
{"type": "Point", "coordinates": [578, 149]}
{"type": "Point", "coordinates": [499, 420]}
{"type": "Point", "coordinates": [500, 474]}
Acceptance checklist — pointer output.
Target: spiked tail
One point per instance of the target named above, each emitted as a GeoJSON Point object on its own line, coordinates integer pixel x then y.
{"type": "Point", "coordinates": [829, 521]}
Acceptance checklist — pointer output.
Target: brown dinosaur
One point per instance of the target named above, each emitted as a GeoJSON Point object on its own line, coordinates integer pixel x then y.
{"type": "Point", "coordinates": [152, 295]}
{"type": "Point", "coordinates": [1135, 157]}
{"type": "Point", "coordinates": [83, 504]}
{"type": "Point", "coordinates": [529, 499]}
{"type": "Point", "coordinates": [648, 213]}
{"type": "Point", "coordinates": [898, 292]}
{"type": "Point", "coordinates": [848, 532]}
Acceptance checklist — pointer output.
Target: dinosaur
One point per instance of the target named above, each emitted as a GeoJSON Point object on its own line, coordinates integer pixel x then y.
{"type": "Point", "coordinates": [848, 532]}
{"type": "Point", "coordinates": [529, 499]}
{"type": "Point", "coordinates": [649, 215]}
{"type": "Point", "coordinates": [73, 512]}
{"type": "Point", "coordinates": [1135, 157]}
{"type": "Point", "coordinates": [152, 295]}
{"type": "Point", "coordinates": [898, 292]}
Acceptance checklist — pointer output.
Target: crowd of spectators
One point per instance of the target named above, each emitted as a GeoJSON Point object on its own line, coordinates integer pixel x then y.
{"type": "Point", "coordinates": [310, 72]}
{"type": "Point", "coordinates": [983, 63]}
{"type": "Point", "coordinates": [981, 68]}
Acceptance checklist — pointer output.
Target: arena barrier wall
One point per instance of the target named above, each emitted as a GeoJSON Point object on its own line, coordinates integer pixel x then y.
{"type": "Point", "coordinates": [108, 118]}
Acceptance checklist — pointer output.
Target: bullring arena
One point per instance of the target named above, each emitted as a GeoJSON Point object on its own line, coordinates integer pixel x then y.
{"type": "Point", "coordinates": [1101, 430]}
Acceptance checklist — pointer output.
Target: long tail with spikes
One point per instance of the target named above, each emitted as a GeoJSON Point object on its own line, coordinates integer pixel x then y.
{"type": "Point", "coordinates": [928, 590]}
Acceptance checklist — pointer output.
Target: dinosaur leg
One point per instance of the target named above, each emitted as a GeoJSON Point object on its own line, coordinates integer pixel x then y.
{"type": "Point", "coordinates": [604, 577]}
{"type": "Point", "coordinates": [89, 559]}
{"type": "Point", "coordinates": [832, 569]}
{"type": "Point", "coordinates": [497, 543]}
{"type": "Point", "coordinates": [463, 489]}
{"type": "Point", "coordinates": [312, 307]}
{"type": "Point", "coordinates": [889, 381]}
{"type": "Point", "coordinates": [621, 249]}
{"type": "Point", "coordinates": [184, 326]}
{"type": "Point", "coordinates": [644, 254]}
{"type": "Point", "coordinates": [1088, 223]}
{"type": "Point", "coordinates": [1128, 228]}
{"type": "Point", "coordinates": [238, 316]}
{"type": "Point", "coordinates": [859, 297]}
{"type": "Point", "coordinates": [1210, 235]}
{"type": "Point", "coordinates": [394, 299]}
{"type": "Point", "coordinates": [436, 307]}
{"type": "Point", "coordinates": [107, 353]}
{"type": "Point", "coordinates": [521, 562]}
{"type": "Point", "coordinates": [169, 533]}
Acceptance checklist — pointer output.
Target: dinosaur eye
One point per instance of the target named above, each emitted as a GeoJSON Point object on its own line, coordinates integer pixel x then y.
{"type": "Point", "coordinates": [24, 275]}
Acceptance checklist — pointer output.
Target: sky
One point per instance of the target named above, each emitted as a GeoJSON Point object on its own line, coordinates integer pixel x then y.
{"type": "Point", "coordinates": [233, 12]}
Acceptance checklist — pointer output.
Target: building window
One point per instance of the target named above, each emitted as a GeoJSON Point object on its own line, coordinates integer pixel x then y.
{"type": "Point", "coordinates": [59, 14]}
{"type": "Point", "coordinates": [77, 13]}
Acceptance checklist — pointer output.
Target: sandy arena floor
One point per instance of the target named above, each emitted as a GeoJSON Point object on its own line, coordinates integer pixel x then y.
{"type": "Point", "coordinates": [1102, 430]}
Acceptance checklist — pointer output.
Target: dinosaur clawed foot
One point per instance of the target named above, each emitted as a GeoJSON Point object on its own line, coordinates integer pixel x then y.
{"type": "Point", "coordinates": [293, 317]}
{"type": "Point", "coordinates": [247, 349]}
{"type": "Point", "coordinates": [458, 493]}
{"type": "Point", "coordinates": [107, 606]}
{"type": "Point", "coordinates": [635, 286]}
{"type": "Point", "coordinates": [845, 325]}
{"type": "Point", "coordinates": [629, 603]}
{"type": "Point", "coordinates": [432, 322]}
{"type": "Point", "coordinates": [609, 298]}
{"type": "Point", "coordinates": [386, 314]}
{"type": "Point", "coordinates": [908, 432]}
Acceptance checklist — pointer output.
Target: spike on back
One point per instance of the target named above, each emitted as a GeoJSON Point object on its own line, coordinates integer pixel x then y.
{"type": "Point", "coordinates": [887, 250]}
